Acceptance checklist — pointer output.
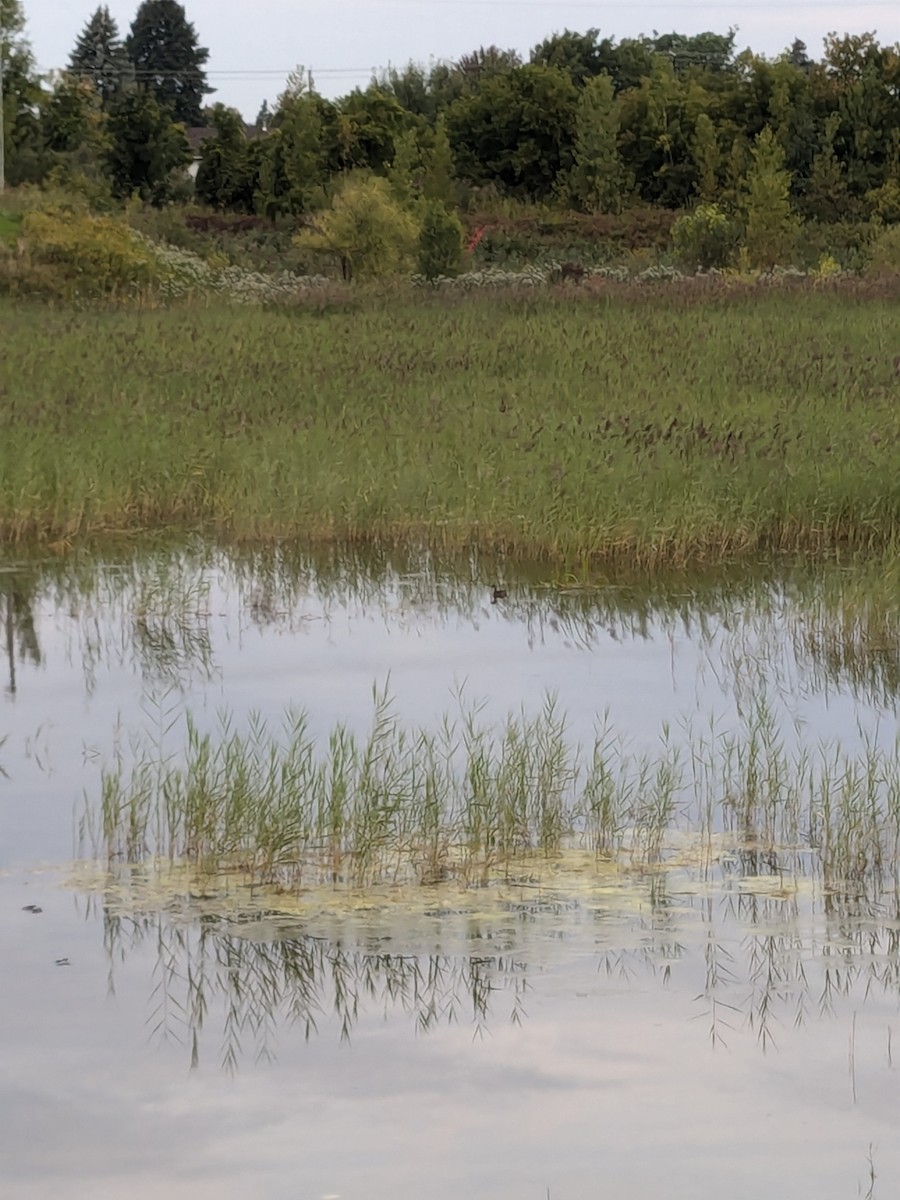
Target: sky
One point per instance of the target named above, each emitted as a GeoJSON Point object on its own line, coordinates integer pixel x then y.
{"type": "Point", "coordinates": [254, 44]}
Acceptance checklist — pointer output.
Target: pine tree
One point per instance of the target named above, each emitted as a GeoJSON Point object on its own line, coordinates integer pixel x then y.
{"type": "Point", "coordinates": [167, 59]}
{"type": "Point", "coordinates": [404, 171]}
{"type": "Point", "coordinates": [707, 157]}
{"type": "Point", "coordinates": [440, 172]}
{"type": "Point", "coordinates": [770, 225]}
{"type": "Point", "coordinates": [598, 181]}
{"type": "Point", "coordinates": [100, 57]}
{"type": "Point", "coordinates": [827, 197]}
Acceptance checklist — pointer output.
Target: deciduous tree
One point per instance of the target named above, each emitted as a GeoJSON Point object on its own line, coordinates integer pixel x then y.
{"type": "Point", "coordinates": [146, 147]}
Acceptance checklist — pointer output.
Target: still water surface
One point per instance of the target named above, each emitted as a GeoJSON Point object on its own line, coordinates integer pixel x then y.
{"type": "Point", "coordinates": [591, 1032]}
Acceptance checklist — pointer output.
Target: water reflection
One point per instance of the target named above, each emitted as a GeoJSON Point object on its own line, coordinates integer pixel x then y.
{"type": "Point", "coordinates": [177, 616]}
{"type": "Point", "coordinates": [253, 988]}
{"type": "Point", "coordinates": [758, 958]}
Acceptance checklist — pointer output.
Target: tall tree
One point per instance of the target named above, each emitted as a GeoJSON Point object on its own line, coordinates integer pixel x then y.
{"type": "Point", "coordinates": [146, 147]}
{"type": "Point", "coordinates": [168, 59]}
{"type": "Point", "coordinates": [517, 129]}
{"type": "Point", "coordinates": [21, 94]}
{"type": "Point", "coordinates": [580, 55]}
{"type": "Point", "coordinates": [99, 56]}
{"type": "Point", "coordinates": [598, 181]}
{"type": "Point", "coordinates": [226, 177]}
{"type": "Point", "coordinates": [770, 226]}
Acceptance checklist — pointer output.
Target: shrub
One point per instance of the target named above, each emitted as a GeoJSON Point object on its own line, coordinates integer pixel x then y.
{"type": "Point", "coordinates": [440, 242]}
{"type": "Point", "coordinates": [365, 229]}
{"type": "Point", "coordinates": [81, 255]}
{"type": "Point", "coordinates": [884, 252]}
{"type": "Point", "coordinates": [705, 237]}
{"type": "Point", "coordinates": [885, 202]}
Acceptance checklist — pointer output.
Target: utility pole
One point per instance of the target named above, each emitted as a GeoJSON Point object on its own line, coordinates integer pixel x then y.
{"type": "Point", "coordinates": [2, 122]}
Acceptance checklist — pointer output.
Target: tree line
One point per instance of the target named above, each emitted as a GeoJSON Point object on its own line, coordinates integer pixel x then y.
{"type": "Point", "coordinates": [586, 122]}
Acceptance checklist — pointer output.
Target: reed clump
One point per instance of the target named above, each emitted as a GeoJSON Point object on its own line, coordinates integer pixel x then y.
{"type": "Point", "coordinates": [470, 801]}
{"type": "Point", "coordinates": [654, 426]}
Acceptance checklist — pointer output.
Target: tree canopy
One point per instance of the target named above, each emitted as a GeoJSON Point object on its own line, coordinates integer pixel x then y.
{"type": "Point", "coordinates": [168, 60]}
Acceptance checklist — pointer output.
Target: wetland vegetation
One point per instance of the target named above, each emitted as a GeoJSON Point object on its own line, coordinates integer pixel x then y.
{"type": "Point", "coordinates": [657, 429]}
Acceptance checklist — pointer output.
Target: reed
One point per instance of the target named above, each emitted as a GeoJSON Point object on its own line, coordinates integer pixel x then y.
{"type": "Point", "coordinates": [472, 802]}
{"type": "Point", "coordinates": [650, 427]}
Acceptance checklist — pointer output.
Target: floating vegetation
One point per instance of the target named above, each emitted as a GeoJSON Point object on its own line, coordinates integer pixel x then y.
{"type": "Point", "coordinates": [469, 801]}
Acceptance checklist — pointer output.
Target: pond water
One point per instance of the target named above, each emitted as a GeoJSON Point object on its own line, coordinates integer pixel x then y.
{"type": "Point", "coordinates": [584, 1027]}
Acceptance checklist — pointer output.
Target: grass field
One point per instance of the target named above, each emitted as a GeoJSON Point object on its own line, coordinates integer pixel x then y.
{"type": "Point", "coordinates": [665, 426]}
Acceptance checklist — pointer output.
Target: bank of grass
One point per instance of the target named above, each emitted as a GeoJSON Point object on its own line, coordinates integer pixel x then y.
{"type": "Point", "coordinates": [664, 425]}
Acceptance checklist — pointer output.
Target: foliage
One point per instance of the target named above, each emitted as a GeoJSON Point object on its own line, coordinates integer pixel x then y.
{"type": "Point", "coordinates": [705, 237]}
{"type": "Point", "coordinates": [146, 147]}
{"type": "Point", "coordinates": [440, 251]}
{"type": "Point", "coordinates": [707, 158]}
{"type": "Point", "coordinates": [884, 202]}
{"type": "Point", "coordinates": [440, 181]}
{"type": "Point", "coordinates": [99, 56]}
{"type": "Point", "coordinates": [884, 252]}
{"type": "Point", "coordinates": [598, 181]}
{"type": "Point", "coordinates": [369, 233]}
{"type": "Point", "coordinates": [20, 98]}
{"type": "Point", "coordinates": [770, 225]}
{"type": "Point", "coordinates": [658, 134]}
{"type": "Point", "coordinates": [86, 255]}
{"type": "Point", "coordinates": [517, 129]}
{"type": "Point", "coordinates": [225, 177]}
{"type": "Point", "coordinates": [168, 60]}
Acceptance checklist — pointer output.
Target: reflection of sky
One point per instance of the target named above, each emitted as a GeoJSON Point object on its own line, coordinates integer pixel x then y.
{"type": "Point", "coordinates": [608, 1087]}
{"type": "Point", "coordinates": [325, 655]}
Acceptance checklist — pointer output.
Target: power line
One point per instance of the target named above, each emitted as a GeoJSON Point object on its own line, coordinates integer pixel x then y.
{"type": "Point", "coordinates": [655, 5]}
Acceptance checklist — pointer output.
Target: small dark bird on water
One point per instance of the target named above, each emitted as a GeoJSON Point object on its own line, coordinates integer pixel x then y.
{"type": "Point", "coordinates": [498, 594]}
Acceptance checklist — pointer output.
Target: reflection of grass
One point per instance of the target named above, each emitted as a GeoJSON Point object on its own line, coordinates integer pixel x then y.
{"type": "Point", "coordinates": [814, 628]}
{"type": "Point", "coordinates": [253, 958]}
{"type": "Point", "coordinates": [470, 802]}
{"type": "Point", "coordinates": [641, 428]}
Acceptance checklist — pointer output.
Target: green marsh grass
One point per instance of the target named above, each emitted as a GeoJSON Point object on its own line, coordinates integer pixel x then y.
{"type": "Point", "coordinates": [471, 801]}
{"type": "Point", "coordinates": [655, 427]}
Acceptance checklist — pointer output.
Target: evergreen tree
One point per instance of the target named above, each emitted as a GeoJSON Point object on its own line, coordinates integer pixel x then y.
{"type": "Point", "coordinates": [708, 158]}
{"type": "Point", "coordinates": [598, 181]}
{"type": "Point", "coordinates": [146, 147]}
{"type": "Point", "coordinates": [99, 56]}
{"type": "Point", "coordinates": [168, 60]}
{"type": "Point", "coordinates": [827, 197]}
{"type": "Point", "coordinates": [440, 173]}
{"type": "Point", "coordinates": [770, 226]}
{"type": "Point", "coordinates": [404, 173]}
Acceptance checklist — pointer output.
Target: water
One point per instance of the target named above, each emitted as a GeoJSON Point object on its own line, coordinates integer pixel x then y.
{"type": "Point", "coordinates": [583, 1029]}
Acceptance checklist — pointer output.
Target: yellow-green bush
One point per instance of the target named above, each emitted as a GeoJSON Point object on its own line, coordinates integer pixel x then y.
{"type": "Point", "coordinates": [73, 254]}
{"type": "Point", "coordinates": [884, 252]}
{"type": "Point", "coordinates": [705, 237]}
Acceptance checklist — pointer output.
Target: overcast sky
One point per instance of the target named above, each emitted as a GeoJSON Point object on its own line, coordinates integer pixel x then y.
{"type": "Point", "coordinates": [254, 43]}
